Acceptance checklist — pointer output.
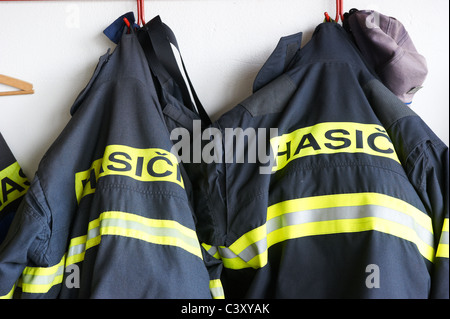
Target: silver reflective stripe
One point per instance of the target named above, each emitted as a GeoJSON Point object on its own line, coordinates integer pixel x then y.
{"type": "Point", "coordinates": [76, 250]}
{"type": "Point", "coordinates": [351, 212]}
{"type": "Point", "coordinates": [443, 248]}
{"type": "Point", "coordinates": [216, 289]}
{"type": "Point", "coordinates": [330, 214]}
{"type": "Point", "coordinates": [212, 250]}
{"type": "Point", "coordinates": [406, 222]}
{"type": "Point", "coordinates": [444, 238]}
{"type": "Point", "coordinates": [254, 250]}
{"type": "Point", "coordinates": [217, 293]}
{"type": "Point", "coordinates": [226, 253]}
{"type": "Point", "coordinates": [42, 279]}
{"type": "Point", "coordinates": [93, 233]}
{"type": "Point", "coordinates": [150, 230]}
{"type": "Point", "coordinates": [160, 232]}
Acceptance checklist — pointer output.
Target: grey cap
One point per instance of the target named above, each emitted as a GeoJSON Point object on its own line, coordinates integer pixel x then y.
{"type": "Point", "coordinates": [387, 47]}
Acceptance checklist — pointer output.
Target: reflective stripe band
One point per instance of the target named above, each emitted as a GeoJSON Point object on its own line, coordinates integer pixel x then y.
{"type": "Point", "coordinates": [215, 286]}
{"type": "Point", "coordinates": [353, 199]}
{"type": "Point", "coordinates": [14, 184]}
{"type": "Point", "coordinates": [9, 295]}
{"type": "Point", "coordinates": [332, 138]}
{"type": "Point", "coordinates": [76, 250]}
{"type": "Point", "coordinates": [155, 231]}
{"type": "Point", "coordinates": [162, 232]}
{"type": "Point", "coordinates": [442, 250]}
{"type": "Point", "coordinates": [331, 214]}
{"type": "Point", "coordinates": [212, 250]}
{"type": "Point", "coordinates": [40, 280]}
{"type": "Point", "coordinates": [144, 165]}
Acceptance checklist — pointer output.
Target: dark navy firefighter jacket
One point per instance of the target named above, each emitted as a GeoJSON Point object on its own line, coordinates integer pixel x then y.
{"type": "Point", "coordinates": [13, 186]}
{"type": "Point", "coordinates": [355, 204]}
{"type": "Point", "coordinates": [108, 214]}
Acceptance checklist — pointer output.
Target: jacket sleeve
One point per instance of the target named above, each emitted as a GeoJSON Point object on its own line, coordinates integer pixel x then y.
{"type": "Point", "coordinates": [425, 159]}
{"type": "Point", "coordinates": [429, 171]}
{"type": "Point", "coordinates": [26, 240]}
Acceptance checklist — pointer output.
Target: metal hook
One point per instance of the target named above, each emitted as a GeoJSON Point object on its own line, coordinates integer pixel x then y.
{"type": "Point", "coordinates": [127, 23]}
{"type": "Point", "coordinates": [339, 12]}
{"type": "Point", "coordinates": [140, 10]}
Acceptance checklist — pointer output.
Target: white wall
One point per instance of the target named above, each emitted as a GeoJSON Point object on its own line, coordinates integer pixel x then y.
{"type": "Point", "coordinates": [56, 45]}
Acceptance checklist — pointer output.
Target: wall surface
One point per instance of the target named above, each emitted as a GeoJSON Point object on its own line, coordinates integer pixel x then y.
{"type": "Point", "coordinates": [56, 45]}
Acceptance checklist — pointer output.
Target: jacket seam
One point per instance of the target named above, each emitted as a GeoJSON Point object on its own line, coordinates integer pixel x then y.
{"type": "Point", "coordinates": [344, 164]}
{"type": "Point", "coordinates": [420, 185]}
{"type": "Point", "coordinates": [42, 247]}
{"type": "Point", "coordinates": [143, 191]}
{"type": "Point", "coordinates": [234, 236]}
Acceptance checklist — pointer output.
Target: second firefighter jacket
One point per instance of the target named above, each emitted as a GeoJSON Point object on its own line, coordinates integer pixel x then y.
{"type": "Point", "coordinates": [352, 202]}
{"type": "Point", "coordinates": [13, 186]}
{"type": "Point", "coordinates": [108, 213]}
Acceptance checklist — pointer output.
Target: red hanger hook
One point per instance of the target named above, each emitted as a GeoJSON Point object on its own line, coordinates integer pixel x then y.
{"type": "Point", "coordinates": [127, 23]}
{"type": "Point", "coordinates": [339, 10]}
{"type": "Point", "coordinates": [140, 10]}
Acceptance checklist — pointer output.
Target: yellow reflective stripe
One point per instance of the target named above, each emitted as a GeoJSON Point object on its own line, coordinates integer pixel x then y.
{"type": "Point", "coordinates": [42, 279]}
{"type": "Point", "coordinates": [249, 238]}
{"type": "Point", "coordinates": [157, 223]}
{"type": "Point", "coordinates": [15, 184]}
{"type": "Point", "coordinates": [238, 263]}
{"type": "Point", "coordinates": [352, 226]}
{"type": "Point", "coordinates": [84, 180]}
{"type": "Point", "coordinates": [76, 250]}
{"type": "Point", "coordinates": [215, 286]}
{"type": "Point", "coordinates": [331, 214]}
{"type": "Point", "coordinates": [212, 250]}
{"type": "Point", "coordinates": [445, 225]}
{"type": "Point", "coordinates": [114, 223]}
{"type": "Point", "coordinates": [332, 138]}
{"type": "Point", "coordinates": [443, 250]}
{"type": "Point", "coordinates": [10, 294]}
{"type": "Point", "coordinates": [353, 199]}
{"type": "Point", "coordinates": [162, 232]}
{"type": "Point", "coordinates": [144, 165]}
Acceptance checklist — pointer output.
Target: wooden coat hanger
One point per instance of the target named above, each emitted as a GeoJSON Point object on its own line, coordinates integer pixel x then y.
{"type": "Point", "coordinates": [27, 88]}
{"type": "Point", "coordinates": [24, 87]}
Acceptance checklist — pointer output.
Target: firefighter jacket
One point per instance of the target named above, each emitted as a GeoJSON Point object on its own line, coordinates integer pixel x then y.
{"type": "Point", "coordinates": [108, 213]}
{"type": "Point", "coordinates": [14, 185]}
{"type": "Point", "coordinates": [347, 196]}
{"type": "Point", "coordinates": [352, 202]}
{"type": "Point", "coordinates": [180, 107]}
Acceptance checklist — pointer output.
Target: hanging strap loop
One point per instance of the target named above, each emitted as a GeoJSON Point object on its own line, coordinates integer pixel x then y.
{"type": "Point", "coordinates": [157, 39]}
